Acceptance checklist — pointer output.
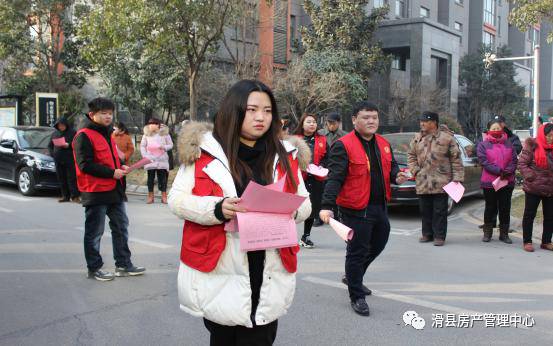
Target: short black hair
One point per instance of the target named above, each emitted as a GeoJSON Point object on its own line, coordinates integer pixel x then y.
{"type": "Point", "coordinates": [493, 121]}
{"type": "Point", "coordinates": [100, 104]}
{"type": "Point", "coordinates": [364, 106]}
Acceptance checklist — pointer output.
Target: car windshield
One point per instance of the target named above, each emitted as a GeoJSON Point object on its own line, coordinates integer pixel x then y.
{"type": "Point", "coordinates": [34, 138]}
{"type": "Point", "coordinates": [400, 145]}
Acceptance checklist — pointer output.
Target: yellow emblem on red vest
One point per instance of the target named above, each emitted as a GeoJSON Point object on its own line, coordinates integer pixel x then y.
{"type": "Point", "coordinates": [387, 150]}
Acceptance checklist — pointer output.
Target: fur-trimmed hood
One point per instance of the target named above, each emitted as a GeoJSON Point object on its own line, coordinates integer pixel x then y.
{"type": "Point", "coordinates": [163, 131]}
{"type": "Point", "coordinates": [191, 137]}
{"type": "Point", "coordinates": [304, 153]}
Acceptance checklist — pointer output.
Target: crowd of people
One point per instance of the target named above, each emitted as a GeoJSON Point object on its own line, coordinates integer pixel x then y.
{"type": "Point", "coordinates": [241, 295]}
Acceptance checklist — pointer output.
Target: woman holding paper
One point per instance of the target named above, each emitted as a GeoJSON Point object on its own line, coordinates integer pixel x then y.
{"type": "Point", "coordinates": [155, 144]}
{"type": "Point", "coordinates": [536, 166]}
{"type": "Point", "coordinates": [61, 149]}
{"type": "Point", "coordinates": [239, 294]}
{"type": "Point", "coordinates": [498, 158]}
{"type": "Point", "coordinates": [314, 178]}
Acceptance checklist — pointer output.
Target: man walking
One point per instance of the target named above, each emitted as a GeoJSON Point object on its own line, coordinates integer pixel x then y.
{"type": "Point", "coordinates": [333, 128]}
{"type": "Point", "coordinates": [362, 167]}
{"type": "Point", "coordinates": [99, 174]}
{"type": "Point", "coordinates": [434, 160]}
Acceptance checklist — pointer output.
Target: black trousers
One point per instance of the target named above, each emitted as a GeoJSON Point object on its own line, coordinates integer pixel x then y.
{"type": "Point", "coordinates": [498, 202]}
{"type": "Point", "coordinates": [68, 179]}
{"type": "Point", "coordinates": [162, 176]}
{"type": "Point", "coordinates": [315, 189]}
{"type": "Point", "coordinates": [531, 203]}
{"type": "Point", "coordinates": [434, 215]}
{"type": "Point", "coordinates": [494, 216]}
{"type": "Point", "coordinates": [370, 235]}
{"type": "Point", "coordinates": [240, 335]}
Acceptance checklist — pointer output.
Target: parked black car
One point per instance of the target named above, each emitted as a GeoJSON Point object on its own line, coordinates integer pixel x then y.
{"type": "Point", "coordinates": [405, 194]}
{"type": "Point", "coordinates": [25, 160]}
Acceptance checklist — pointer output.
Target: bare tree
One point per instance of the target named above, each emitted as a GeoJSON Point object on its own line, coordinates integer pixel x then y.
{"type": "Point", "coordinates": [300, 90]}
{"type": "Point", "coordinates": [406, 104]}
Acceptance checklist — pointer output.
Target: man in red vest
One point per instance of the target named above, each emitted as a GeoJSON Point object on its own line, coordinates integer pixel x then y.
{"type": "Point", "coordinates": [362, 167]}
{"type": "Point", "coordinates": [99, 174]}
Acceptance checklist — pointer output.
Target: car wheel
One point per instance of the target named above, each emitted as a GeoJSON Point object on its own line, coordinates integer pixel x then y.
{"type": "Point", "coordinates": [450, 205]}
{"type": "Point", "coordinates": [26, 182]}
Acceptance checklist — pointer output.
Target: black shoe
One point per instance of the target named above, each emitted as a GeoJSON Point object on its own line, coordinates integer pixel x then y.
{"type": "Point", "coordinates": [366, 290]}
{"type": "Point", "coordinates": [130, 271]}
{"type": "Point", "coordinates": [306, 242]}
{"type": "Point", "coordinates": [317, 223]}
{"type": "Point", "coordinates": [101, 275]}
{"type": "Point", "coordinates": [360, 307]}
{"type": "Point", "coordinates": [426, 239]}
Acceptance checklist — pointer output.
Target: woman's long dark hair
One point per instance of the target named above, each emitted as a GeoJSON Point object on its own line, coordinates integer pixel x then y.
{"type": "Point", "coordinates": [299, 129]}
{"type": "Point", "coordinates": [228, 125]}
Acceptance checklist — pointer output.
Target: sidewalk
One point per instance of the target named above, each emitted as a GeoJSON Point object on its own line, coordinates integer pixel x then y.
{"type": "Point", "coordinates": [516, 223]}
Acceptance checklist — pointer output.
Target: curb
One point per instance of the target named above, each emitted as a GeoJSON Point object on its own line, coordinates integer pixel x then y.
{"type": "Point", "coordinates": [516, 223]}
{"type": "Point", "coordinates": [140, 190]}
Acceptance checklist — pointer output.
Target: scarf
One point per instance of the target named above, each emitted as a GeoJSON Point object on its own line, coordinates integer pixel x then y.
{"type": "Point", "coordinates": [496, 137]}
{"type": "Point", "coordinates": [540, 155]}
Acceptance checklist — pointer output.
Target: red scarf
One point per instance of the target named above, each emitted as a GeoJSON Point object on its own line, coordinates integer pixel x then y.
{"type": "Point", "coordinates": [496, 137]}
{"type": "Point", "coordinates": [540, 155]}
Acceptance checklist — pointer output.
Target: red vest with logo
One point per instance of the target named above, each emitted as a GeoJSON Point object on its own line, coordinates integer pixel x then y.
{"type": "Point", "coordinates": [202, 246]}
{"type": "Point", "coordinates": [356, 190]}
{"type": "Point", "coordinates": [103, 155]}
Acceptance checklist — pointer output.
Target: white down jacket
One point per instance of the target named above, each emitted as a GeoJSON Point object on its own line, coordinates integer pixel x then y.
{"type": "Point", "coordinates": [224, 294]}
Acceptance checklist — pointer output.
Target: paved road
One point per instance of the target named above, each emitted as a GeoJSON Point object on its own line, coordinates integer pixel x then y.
{"type": "Point", "coordinates": [45, 298]}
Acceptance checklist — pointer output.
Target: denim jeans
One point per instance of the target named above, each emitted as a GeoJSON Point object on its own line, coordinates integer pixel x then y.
{"type": "Point", "coordinates": [370, 235]}
{"type": "Point", "coordinates": [95, 220]}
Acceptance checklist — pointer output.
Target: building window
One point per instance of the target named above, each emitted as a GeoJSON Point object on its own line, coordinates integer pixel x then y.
{"type": "Point", "coordinates": [379, 3]}
{"type": "Point", "coordinates": [489, 12]}
{"type": "Point", "coordinates": [458, 26]}
{"type": "Point", "coordinates": [401, 8]}
{"type": "Point", "coordinates": [498, 25]}
{"type": "Point", "coordinates": [488, 39]}
{"type": "Point", "coordinates": [424, 12]}
{"type": "Point", "coordinates": [460, 2]}
{"type": "Point", "coordinates": [399, 62]}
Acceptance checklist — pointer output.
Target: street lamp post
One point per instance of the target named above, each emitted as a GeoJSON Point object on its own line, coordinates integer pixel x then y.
{"type": "Point", "coordinates": [490, 58]}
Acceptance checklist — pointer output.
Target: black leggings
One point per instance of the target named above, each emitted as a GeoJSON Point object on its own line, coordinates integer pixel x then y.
{"type": "Point", "coordinates": [531, 204]}
{"type": "Point", "coordinates": [161, 179]}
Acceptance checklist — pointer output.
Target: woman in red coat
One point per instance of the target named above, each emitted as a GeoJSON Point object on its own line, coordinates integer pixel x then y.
{"type": "Point", "coordinates": [307, 129]}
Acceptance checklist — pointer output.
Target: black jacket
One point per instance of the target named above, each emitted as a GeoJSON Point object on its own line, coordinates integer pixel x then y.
{"type": "Point", "coordinates": [62, 155]}
{"type": "Point", "coordinates": [338, 162]}
{"type": "Point", "coordinates": [514, 139]}
{"type": "Point", "coordinates": [84, 154]}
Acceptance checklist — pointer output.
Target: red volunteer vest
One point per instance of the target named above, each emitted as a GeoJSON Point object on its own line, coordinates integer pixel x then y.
{"type": "Point", "coordinates": [202, 246]}
{"type": "Point", "coordinates": [103, 155]}
{"type": "Point", "coordinates": [356, 190]}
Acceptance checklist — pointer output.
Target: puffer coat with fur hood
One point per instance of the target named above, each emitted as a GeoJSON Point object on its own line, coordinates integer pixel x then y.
{"type": "Point", "coordinates": [223, 295]}
{"type": "Point", "coordinates": [155, 146]}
